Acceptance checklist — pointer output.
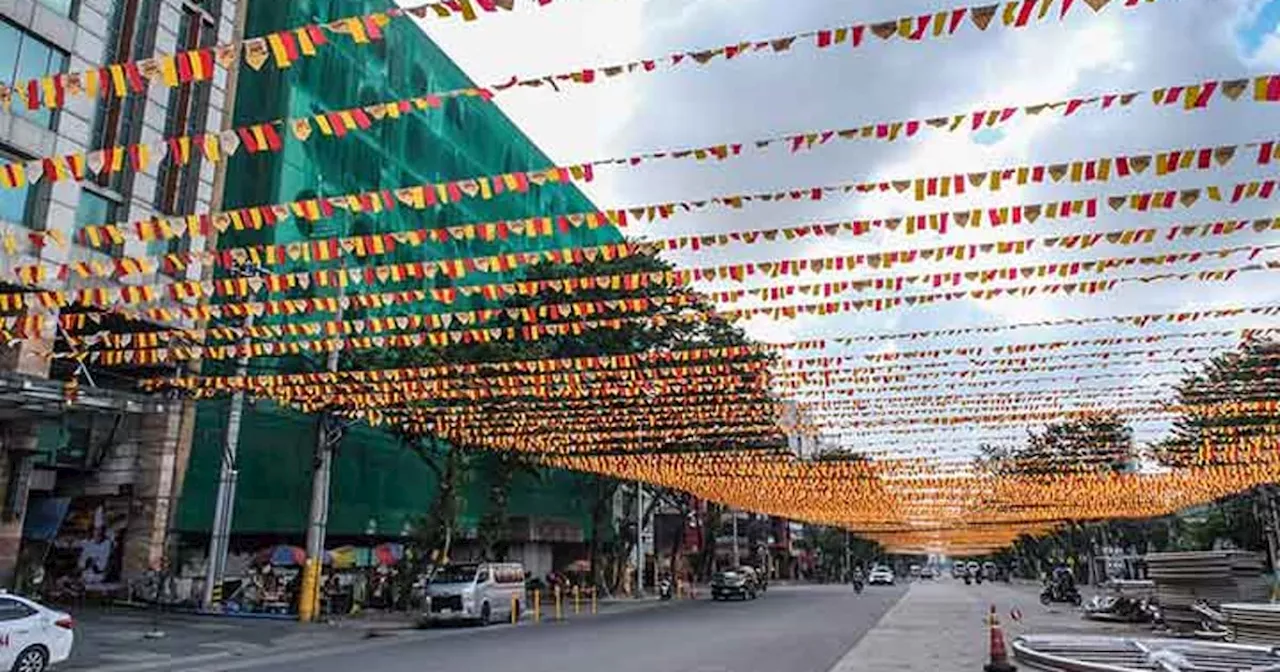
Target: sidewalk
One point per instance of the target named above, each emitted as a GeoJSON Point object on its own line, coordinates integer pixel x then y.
{"type": "Point", "coordinates": [941, 625]}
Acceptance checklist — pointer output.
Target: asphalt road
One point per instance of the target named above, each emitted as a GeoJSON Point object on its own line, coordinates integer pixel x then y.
{"type": "Point", "coordinates": [796, 629]}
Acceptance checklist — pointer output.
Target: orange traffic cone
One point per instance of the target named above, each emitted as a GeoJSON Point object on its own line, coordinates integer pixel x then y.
{"type": "Point", "coordinates": [999, 656]}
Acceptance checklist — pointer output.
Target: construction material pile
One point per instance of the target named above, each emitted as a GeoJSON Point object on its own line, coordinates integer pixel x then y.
{"type": "Point", "coordinates": [1213, 577]}
{"type": "Point", "coordinates": [1254, 623]}
{"type": "Point", "coordinates": [1128, 654]}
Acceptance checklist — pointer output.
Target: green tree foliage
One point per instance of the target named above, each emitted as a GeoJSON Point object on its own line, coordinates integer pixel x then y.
{"type": "Point", "coordinates": [1197, 438]}
{"type": "Point", "coordinates": [1244, 375]}
{"type": "Point", "coordinates": [665, 330]}
{"type": "Point", "coordinates": [1099, 443]}
{"type": "Point", "coordinates": [828, 545]}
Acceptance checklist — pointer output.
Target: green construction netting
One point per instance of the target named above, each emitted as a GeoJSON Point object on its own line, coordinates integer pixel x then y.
{"type": "Point", "coordinates": [377, 486]}
{"type": "Point", "coordinates": [373, 479]}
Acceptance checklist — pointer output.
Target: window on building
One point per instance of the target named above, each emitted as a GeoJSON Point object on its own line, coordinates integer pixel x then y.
{"type": "Point", "coordinates": [24, 57]}
{"type": "Point", "coordinates": [119, 120]}
{"type": "Point", "coordinates": [18, 205]}
{"type": "Point", "coordinates": [65, 8]}
{"type": "Point", "coordinates": [187, 115]}
{"type": "Point", "coordinates": [96, 208]}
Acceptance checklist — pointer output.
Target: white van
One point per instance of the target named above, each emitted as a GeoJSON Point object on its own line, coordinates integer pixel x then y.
{"type": "Point", "coordinates": [480, 592]}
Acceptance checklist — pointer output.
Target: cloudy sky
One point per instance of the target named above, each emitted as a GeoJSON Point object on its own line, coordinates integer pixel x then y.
{"type": "Point", "coordinates": [762, 95]}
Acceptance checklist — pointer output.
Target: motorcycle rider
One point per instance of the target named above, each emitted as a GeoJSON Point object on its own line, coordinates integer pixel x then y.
{"type": "Point", "coordinates": [1061, 587]}
{"type": "Point", "coordinates": [857, 578]}
{"type": "Point", "coordinates": [1063, 580]}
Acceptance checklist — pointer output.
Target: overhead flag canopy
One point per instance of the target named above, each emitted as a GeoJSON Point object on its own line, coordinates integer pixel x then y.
{"type": "Point", "coordinates": [941, 355]}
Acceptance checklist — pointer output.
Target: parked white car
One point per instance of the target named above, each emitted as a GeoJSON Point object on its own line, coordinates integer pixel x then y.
{"type": "Point", "coordinates": [32, 636]}
{"type": "Point", "coordinates": [477, 592]}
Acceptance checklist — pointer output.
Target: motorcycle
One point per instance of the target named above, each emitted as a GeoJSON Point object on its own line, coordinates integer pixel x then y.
{"type": "Point", "coordinates": [665, 589]}
{"type": "Point", "coordinates": [1056, 592]}
{"type": "Point", "coordinates": [857, 586]}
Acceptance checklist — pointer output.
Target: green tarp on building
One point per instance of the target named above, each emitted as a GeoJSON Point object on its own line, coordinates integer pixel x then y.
{"type": "Point", "coordinates": [377, 486]}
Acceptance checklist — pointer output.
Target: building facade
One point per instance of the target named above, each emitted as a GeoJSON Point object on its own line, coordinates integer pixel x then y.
{"type": "Point", "coordinates": [91, 472]}
{"type": "Point", "coordinates": [379, 489]}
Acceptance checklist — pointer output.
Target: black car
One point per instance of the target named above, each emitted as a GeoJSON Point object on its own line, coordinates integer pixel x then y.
{"type": "Point", "coordinates": [731, 584]}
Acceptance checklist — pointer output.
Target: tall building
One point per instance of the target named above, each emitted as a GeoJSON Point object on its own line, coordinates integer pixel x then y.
{"type": "Point", "coordinates": [91, 472]}
{"type": "Point", "coordinates": [378, 489]}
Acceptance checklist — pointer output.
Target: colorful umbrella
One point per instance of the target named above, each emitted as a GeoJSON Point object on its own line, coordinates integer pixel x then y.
{"type": "Point", "coordinates": [283, 556]}
{"type": "Point", "coordinates": [388, 554]}
{"type": "Point", "coordinates": [342, 557]}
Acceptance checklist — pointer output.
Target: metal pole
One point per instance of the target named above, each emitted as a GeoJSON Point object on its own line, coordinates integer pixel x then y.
{"type": "Point", "coordinates": [229, 473]}
{"type": "Point", "coordinates": [639, 539]}
{"type": "Point", "coordinates": [848, 559]}
{"type": "Point", "coordinates": [736, 558]}
{"type": "Point", "coordinates": [328, 437]}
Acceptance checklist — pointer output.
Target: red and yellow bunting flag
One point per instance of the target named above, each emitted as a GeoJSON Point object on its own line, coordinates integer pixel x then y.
{"type": "Point", "coordinates": [360, 247]}
{"type": "Point", "coordinates": [458, 269]}
{"type": "Point", "coordinates": [282, 48]}
{"type": "Point", "coordinates": [265, 136]}
{"type": "Point", "coordinates": [388, 332]}
{"type": "Point", "coordinates": [1013, 15]}
{"type": "Point", "coordinates": [1096, 170]}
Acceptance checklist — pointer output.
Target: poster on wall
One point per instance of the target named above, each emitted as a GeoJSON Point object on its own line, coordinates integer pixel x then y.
{"type": "Point", "coordinates": [88, 548]}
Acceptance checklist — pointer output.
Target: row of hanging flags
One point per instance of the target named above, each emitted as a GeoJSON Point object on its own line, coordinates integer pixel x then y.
{"type": "Point", "coordinates": [368, 245]}
{"type": "Point", "coordinates": [388, 276]}
{"type": "Point", "coordinates": [755, 354]}
{"type": "Point", "coordinates": [409, 331]}
{"type": "Point", "coordinates": [1097, 170]}
{"type": "Point", "coordinates": [540, 322]}
{"type": "Point", "coordinates": [284, 48]}
{"type": "Point", "coordinates": [379, 244]}
{"type": "Point", "coordinates": [80, 322]}
{"type": "Point", "coordinates": [1102, 169]}
{"type": "Point", "coordinates": [267, 136]}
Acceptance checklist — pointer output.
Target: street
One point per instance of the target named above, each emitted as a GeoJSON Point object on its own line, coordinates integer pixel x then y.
{"type": "Point", "coordinates": [797, 629]}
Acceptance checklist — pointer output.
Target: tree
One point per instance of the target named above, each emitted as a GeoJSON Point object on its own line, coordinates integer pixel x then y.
{"type": "Point", "coordinates": [828, 544]}
{"type": "Point", "coordinates": [666, 327]}
{"type": "Point", "coordinates": [501, 469]}
{"type": "Point", "coordinates": [598, 492]}
{"type": "Point", "coordinates": [1204, 436]}
{"type": "Point", "coordinates": [433, 536]}
{"type": "Point", "coordinates": [1099, 443]}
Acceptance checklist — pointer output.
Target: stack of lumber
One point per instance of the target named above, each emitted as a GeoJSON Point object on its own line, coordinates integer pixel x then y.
{"type": "Point", "coordinates": [1215, 577]}
{"type": "Point", "coordinates": [1254, 623]}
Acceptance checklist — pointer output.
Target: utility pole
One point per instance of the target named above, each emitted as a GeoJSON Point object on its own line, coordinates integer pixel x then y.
{"type": "Point", "coordinates": [328, 437]}
{"type": "Point", "coordinates": [639, 540]}
{"type": "Point", "coordinates": [229, 472]}
{"type": "Point", "coordinates": [737, 559]}
{"type": "Point", "coordinates": [848, 559]}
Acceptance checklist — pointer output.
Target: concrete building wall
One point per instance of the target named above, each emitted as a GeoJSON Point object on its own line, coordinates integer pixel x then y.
{"type": "Point", "coordinates": [139, 461]}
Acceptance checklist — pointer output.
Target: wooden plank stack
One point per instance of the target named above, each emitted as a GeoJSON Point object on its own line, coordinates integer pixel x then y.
{"type": "Point", "coordinates": [1215, 577]}
{"type": "Point", "coordinates": [1254, 623]}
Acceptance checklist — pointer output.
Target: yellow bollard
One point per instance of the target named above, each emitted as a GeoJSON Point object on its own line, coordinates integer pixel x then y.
{"type": "Point", "coordinates": [537, 606]}
{"type": "Point", "coordinates": [515, 609]}
{"type": "Point", "coordinates": [309, 593]}
{"type": "Point", "coordinates": [559, 613]}
{"type": "Point", "coordinates": [577, 601]}
{"type": "Point", "coordinates": [593, 599]}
